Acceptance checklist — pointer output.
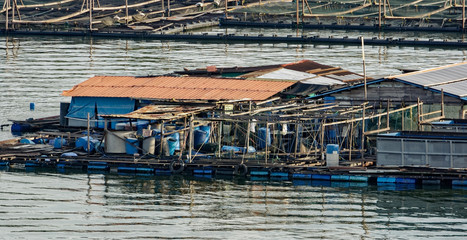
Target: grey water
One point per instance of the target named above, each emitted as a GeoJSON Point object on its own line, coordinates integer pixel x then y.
{"type": "Point", "coordinates": [53, 205]}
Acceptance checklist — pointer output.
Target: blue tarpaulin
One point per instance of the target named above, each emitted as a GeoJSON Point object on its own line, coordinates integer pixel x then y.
{"type": "Point", "coordinates": [81, 106]}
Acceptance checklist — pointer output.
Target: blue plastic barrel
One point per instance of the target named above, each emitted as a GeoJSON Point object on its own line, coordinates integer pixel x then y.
{"type": "Point", "coordinates": [59, 142]}
{"type": "Point", "coordinates": [130, 146]}
{"type": "Point", "coordinates": [264, 137]}
{"type": "Point", "coordinates": [172, 143]}
{"type": "Point", "coordinates": [82, 142]}
{"type": "Point", "coordinates": [93, 144]}
{"type": "Point", "coordinates": [207, 129]}
{"type": "Point", "coordinates": [176, 136]}
{"type": "Point", "coordinates": [26, 141]}
{"type": "Point", "coordinates": [200, 137]}
{"type": "Point", "coordinates": [330, 148]}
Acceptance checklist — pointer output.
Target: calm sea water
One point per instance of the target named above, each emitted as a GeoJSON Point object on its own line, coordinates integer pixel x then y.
{"type": "Point", "coordinates": [49, 205]}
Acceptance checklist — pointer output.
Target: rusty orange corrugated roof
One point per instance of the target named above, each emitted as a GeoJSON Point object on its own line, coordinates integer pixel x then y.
{"type": "Point", "coordinates": [182, 88]}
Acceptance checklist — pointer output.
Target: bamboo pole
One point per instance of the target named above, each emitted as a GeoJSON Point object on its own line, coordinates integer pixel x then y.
{"type": "Point", "coordinates": [296, 139]}
{"type": "Point", "coordinates": [363, 132]}
{"type": "Point", "coordinates": [6, 14]}
{"type": "Point", "coordinates": [379, 16]}
{"type": "Point", "coordinates": [297, 13]}
{"type": "Point", "coordinates": [161, 147]}
{"type": "Point", "coordinates": [364, 68]}
{"type": "Point", "coordinates": [266, 144]}
{"type": "Point", "coordinates": [220, 125]}
{"type": "Point", "coordinates": [323, 126]}
{"type": "Point", "coordinates": [418, 114]}
{"type": "Point", "coordinates": [351, 140]}
{"type": "Point", "coordinates": [168, 8]}
{"type": "Point", "coordinates": [191, 140]}
{"type": "Point", "coordinates": [247, 140]}
{"type": "Point", "coordinates": [442, 102]}
{"type": "Point", "coordinates": [89, 143]}
{"type": "Point", "coordinates": [463, 15]}
{"type": "Point", "coordinates": [126, 12]}
{"type": "Point", "coordinates": [13, 15]}
{"type": "Point", "coordinates": [90, 14]}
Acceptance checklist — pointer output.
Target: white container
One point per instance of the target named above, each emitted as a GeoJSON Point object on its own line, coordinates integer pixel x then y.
{"type": "Point", "coordinates": [332, 155]}
{"type": "Point", "coordinates": [149, 145]}
{"type": "Point", "coordinates": [114, 141]}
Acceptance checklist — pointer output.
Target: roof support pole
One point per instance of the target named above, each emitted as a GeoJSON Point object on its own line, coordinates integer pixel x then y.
{"type": "Point", "coordinates": [89, 142]}
{"type": "Point", "coordinates": [6, 14]}
{"type": "Point", "coordinates": [364, 68]}
{"type": "Point", "coordinates": [220, 125]}
{"type": "Point", "coordinates": [419, 112]}
{"type": "Point", "coordinates": [323, 126]}
{"type": "Point", "coordinates": [442, 102]}
{"type": "Point", "coordinates": [191, 140]}
{"type": "Point", "coordinates": [463, 15]}
{"type": "Point", "coordinates": [126, 12]}
{"type": "Point", "coordinates": [161, 147]}
{"type": "Point", "coordinates": [379, 16]}
{"type": "Point", "coordinates": [297, 15]}
{"type": "Point", "coordinates": [13, 15]}
{"type": "Point", "coordinates": [247, 140]}
{"type": "Point", "coordinates": [363, 132]}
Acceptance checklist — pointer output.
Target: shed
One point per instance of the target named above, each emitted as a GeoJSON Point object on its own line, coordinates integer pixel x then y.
{"type": "Point", "coordinates": [406, 89]}
{"type": "Point", "coordinates": [108, 95]}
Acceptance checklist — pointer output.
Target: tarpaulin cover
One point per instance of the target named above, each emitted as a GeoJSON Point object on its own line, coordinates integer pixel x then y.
{"type": "Point", "coordinates": [81, 106]}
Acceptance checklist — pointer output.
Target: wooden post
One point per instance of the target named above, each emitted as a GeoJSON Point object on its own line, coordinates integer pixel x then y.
{"type": "Point", "coordinates": [90, 14]}
{"type": "Point", "coordinates": [442, 102]}
{"type": "Point", "coordinates": [161, 148]}
{"type": "Point", "coordinates": [13, 15]}
{"type": "Point", "coordinates": [190, 148]}
{"type": "Point", "coordinates": [126, 12]}
{"type": "Point", "coordinates": [303, 9]}
{"type": "Point", "coordinates": [387, 116]}
{"type": "Point", "coordinates": [247, 141]}
{"type": "Point", "coordinates": [297, 17]}
{"type": "Point", "coordinates": [6, 14]}
{"type": "Point", "coordinates": [168, 8]}
{"type": "Point", "coordinates": [105, 124]}
{"type": "Point", "coordinates": [226, 2]}
{"type": "Point", "coordinates": [220, 138]}
{"type": "Point", "coordinates": [266, 143]}
{"type": "Point", "coordinates": [89, 143]}
{"type": "Point", "coordinates": [163, 8]}
{"type": "Point", "coordinates": [351, 140]}
{"type": "Point", "coordinates": [379, 16]}
{"type": "Point", "coordinates": [418, 114]}
{"type": "Point", "coordinates": [296, 138]}
{"type": "Point", "coordinates": [364, 68]}
{"type": "Point", "coordinates": [323, 126]}
{"type": "Point", "coordinates": [463, 15]}
{"type": "Point", "coordinates": [363, 131]}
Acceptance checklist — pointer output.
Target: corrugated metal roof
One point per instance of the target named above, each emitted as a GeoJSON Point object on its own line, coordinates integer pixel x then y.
{"type": "Point", "coordinates": [286, 74]}
{"type": "Point", "coordinates": [452, 79]}
{"type": "Point", "coordinates": [162, 112]}
{"type": "Point", "coordinates": [182, 88]}
{"type": "Point", "coordinates": [322, 81]}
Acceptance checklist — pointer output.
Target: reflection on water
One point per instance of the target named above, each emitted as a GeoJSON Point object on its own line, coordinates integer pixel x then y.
{"type": "Point", "coordinates": [51, 205]}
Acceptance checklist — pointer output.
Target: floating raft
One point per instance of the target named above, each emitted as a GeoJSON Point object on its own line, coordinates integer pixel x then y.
{"type": "Point", "coordinates": [257, 39]}
{"type": "Point", "coordinates": [255, 171]}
